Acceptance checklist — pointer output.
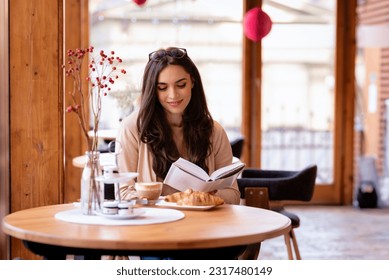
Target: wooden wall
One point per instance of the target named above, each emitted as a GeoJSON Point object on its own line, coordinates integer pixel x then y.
{"type": "Point", "coordinates": [41, 168]}
{"type": "Point", "coordinates": [76, 36]}
{"type": "Point", "coordinates": [36, 106]}
{"type": "Point", "coordinates": [4, 125]}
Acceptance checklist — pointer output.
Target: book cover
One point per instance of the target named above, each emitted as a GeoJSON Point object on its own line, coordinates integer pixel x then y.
{"type": "Point", "coordinates": [184, 174]}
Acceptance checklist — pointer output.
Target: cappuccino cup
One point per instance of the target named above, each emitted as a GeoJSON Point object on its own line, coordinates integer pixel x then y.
{"type": "Point", "coordinates": [148, 190]}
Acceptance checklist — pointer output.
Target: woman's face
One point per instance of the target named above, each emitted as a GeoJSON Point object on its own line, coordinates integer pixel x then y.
{"type": "Point", "coordinates": [174, 90]}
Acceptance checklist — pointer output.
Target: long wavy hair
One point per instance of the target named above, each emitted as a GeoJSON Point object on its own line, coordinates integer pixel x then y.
{"type": "Point", "coordinates": [152, 123]}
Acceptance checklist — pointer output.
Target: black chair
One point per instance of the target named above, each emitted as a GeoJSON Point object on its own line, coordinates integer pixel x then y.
{"type": "Point", "coordinates": [282, 186]}
{"type": "Point", "coordinates": [237, 146]}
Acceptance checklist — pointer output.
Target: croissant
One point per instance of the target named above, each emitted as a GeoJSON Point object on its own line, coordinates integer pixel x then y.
{"type": "Point", "coordinates": [175, 197]}
{"type": "Point", "coordinates": [194, 198]}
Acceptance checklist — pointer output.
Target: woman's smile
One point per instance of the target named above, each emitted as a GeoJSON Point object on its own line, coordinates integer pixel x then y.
{"type": "Point", "coordinates": [175, 103]}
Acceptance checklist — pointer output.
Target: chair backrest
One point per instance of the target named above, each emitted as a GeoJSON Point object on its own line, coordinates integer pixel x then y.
{"type": "Point", "coordinates": [237, 147]}
{"type": "Point", "coordinates": [257, 197]}
{"type": "Point", "coordinates": [282, 185]}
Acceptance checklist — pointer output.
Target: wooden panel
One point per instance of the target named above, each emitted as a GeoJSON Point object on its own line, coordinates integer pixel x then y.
{"type": "Point", "coordinates": [4, 125]}
{"type": "Point", "coordinates": [36, 106]}
{"type": "Point", "coordinates": [76, 36]}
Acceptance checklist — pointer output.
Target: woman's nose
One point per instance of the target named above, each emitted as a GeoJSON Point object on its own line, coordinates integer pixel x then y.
{"type": "Point", "coordinates": [172, 93]}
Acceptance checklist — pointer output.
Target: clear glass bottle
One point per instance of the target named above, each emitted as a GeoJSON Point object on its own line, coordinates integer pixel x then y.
{"type": "Point", "coordinates": [91, 191]}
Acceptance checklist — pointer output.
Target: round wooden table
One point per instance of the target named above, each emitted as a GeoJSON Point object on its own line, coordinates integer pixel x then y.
{"type": "Point", "coordinates": [105, 134]}
{"type": "Point", "coordinates": [225, 226]}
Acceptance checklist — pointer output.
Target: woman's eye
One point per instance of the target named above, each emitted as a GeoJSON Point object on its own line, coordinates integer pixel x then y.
{"type": "Point", "coordinates": [162, 88]}
{"type": "Point", "coordinates": [181, 85]}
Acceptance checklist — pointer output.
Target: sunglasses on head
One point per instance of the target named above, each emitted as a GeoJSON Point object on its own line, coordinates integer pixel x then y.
{"type": "Point", "coordinates": [173, 52]}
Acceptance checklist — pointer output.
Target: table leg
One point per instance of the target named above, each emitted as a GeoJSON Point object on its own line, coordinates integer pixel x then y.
{"type": "Point", "coordinates": [48, 252]}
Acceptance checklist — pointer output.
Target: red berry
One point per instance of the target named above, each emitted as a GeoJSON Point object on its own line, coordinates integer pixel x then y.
{"type": "Point", "coordinates": [69, 109]}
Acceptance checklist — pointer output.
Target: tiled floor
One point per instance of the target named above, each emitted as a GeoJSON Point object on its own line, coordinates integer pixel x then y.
{"type": "Point", "coordinates": [336, 233]}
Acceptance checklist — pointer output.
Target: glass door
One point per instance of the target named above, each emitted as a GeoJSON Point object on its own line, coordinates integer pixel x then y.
{"type": "Point", "coordinates": [298, 96]}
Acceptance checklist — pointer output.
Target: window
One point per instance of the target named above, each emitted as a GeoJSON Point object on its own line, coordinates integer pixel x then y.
{"type": "Point", "coordinates": [211, 31]}
{"type": "Point", "coordinates": [298, 86]}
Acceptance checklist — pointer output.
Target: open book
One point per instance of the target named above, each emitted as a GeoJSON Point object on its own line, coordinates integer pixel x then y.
{"type": "Point", "coordinates": [184, 174]}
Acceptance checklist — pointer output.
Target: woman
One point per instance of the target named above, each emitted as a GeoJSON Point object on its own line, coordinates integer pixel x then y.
{"type": "Point", "coordinates": [173, 121]}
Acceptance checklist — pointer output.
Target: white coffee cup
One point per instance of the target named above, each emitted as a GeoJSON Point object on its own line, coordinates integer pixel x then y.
{"type": "Point", "coordinates": [148, 190]}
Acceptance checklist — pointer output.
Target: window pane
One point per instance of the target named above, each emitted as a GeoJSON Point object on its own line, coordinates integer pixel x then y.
{"type": "Point", "coordinates": [298, 86]}
{"type": "Point", "coordinates": [211, 31]}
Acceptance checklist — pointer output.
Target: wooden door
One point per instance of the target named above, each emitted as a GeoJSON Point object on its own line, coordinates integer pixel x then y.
{"type": "Point", "coordinates": [272, 77]}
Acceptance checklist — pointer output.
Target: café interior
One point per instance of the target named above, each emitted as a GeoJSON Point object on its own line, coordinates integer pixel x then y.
{"type": "Point", "coordinates": [312, 90]}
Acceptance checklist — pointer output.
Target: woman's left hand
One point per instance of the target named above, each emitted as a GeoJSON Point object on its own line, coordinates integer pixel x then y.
{"type": "Point", "coordinates": [166, 190]}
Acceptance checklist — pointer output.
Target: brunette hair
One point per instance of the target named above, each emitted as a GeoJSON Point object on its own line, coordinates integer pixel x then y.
{"type": "Point", "coordinates": [153, 127]}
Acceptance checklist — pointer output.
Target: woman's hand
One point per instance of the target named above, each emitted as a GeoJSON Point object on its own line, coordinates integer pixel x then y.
{"type": "Point", "coordinates": [166, 190]}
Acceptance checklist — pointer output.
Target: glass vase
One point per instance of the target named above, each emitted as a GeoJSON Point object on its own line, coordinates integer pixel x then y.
{"type": "Point", "coordinates": [91, 191]}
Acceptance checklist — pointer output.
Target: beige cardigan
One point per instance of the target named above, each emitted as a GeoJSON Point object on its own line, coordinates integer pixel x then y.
{"type": "Point", "coordinates": [135, 156]}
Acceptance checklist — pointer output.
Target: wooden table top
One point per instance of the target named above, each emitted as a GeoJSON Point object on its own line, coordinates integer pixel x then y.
{"type": "Point", "coordinates": [106, 134]}
{"type": "Point", "coordinates": [226, 225]}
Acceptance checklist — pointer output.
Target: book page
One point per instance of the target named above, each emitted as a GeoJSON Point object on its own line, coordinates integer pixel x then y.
{"type": "Point", "coordinates": [180, 180]}
{"type": "Point", "coordinates": [184, 174]}
{"type": "Point", "coordinates": [227, 171]}
{"type": "Point", "coordinates": [191, 168]}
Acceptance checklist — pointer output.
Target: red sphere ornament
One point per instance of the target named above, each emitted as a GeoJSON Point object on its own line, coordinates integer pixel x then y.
{"type": "Point", "coordinates": [257, 24]}
{"type": "Point", "coordinates": [139, 2]}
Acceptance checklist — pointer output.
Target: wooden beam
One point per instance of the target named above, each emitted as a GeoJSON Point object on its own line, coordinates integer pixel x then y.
{"type": "Point", "coordinates": [251, 96]}
{"type": "Point", "coordinates": [345, 100]}
{"type": "Point", "coordinates": [76, 36]}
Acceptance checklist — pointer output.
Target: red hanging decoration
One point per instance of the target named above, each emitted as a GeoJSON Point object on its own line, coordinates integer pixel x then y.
{"type": "Point", "coordinates": [257, 24]}
{"type": "Point", "coordinates": [139, 2]}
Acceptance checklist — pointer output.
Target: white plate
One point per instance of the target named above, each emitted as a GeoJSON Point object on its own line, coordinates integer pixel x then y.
{"type": "Point", "coordinates": [121, 178]}
{"type": "Point", "coordinates": [183, 207]}
{"type": "Point", "coordinates": [136, 213]}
